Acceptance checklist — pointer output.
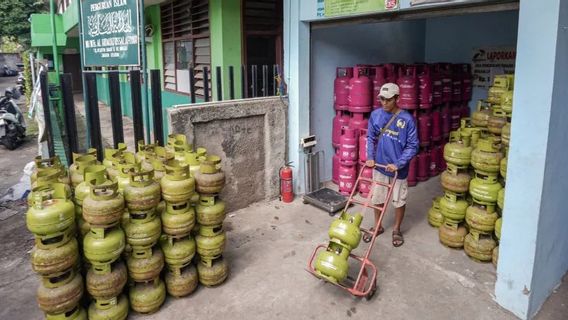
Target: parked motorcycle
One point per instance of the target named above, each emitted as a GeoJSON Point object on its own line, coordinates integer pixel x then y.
{"type": "Point", "coordinates": [12, 125]}
{"type": "Point", "coordinates": [21, 83]}
{"type": "Point", "coordinates": [9, 72]}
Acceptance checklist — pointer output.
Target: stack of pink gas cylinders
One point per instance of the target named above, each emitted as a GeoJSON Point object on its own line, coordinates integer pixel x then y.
{"type": "Point", "coordinates": [436, 95]}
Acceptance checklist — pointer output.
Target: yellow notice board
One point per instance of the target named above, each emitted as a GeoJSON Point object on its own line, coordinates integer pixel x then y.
{"type": "Point", "coordinates": [333, 8]}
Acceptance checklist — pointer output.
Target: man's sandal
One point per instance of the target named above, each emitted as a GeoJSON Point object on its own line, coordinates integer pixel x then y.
{"type": "Point", "coordinates": [397, 239]}
{"type": "Point", "coordinates": [367, 237]}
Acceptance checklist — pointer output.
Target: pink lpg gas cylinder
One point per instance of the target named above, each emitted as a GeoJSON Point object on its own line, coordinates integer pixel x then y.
{"type": "Point", "coordinates": [466, 82]}
{"type": "Point", "coordinates": [457, 83]}
{"type": "Point", "coordinates": [446, 120]}
{"type": "Point", "coordinates": [340, 120]}
{"type": "Point", "coordinates": [347, 177]}
{"type": "Point", "coordinates": [425, 87]}
{"type": "Point", "coordinates": [358, 122]}
{"type": "Point", "coordinates": [348, 146]}
{"type": "Point", "coordinates": [433, 167]}
{"type": "Point", "coordinates": [365, 186]}
{"type": "Point", "coordinates": [424, 128]}
{"type": "Point", "coordinates": [446, 82]}
{"type": "Point", "coordinates": [379, 78]}
{"type": "Point", "coordinates": [441, 166]}
{"type": "Point", "coordinates": [341, 87]}
{"type": "Point", "coordinates": [335, 167]}
{"type": "Point", "coordinates": [361, 90]}
{"type": "Point", "coordinates": [363, 145]}
{"type": "Point", "coordinates": [455, 112]}
{"type": "Point", "coordinates": [436, 76]}
{"type": "Point", "coordinates": [423, 165]}
{"type": "Point", "coordinates": [436, 125]}
{"type": "Point", "coordinates": [408, 84]}
{"type": "Point", "coordinates": [391, 72]}
{"type": "Point", "coordinates": [412, 168]}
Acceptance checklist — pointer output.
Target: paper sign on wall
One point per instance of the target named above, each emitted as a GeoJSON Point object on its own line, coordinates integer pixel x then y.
{"type": "Point", "coordinates": [490, 61]}
{"type": "Point", "coordinates": [335, 8]}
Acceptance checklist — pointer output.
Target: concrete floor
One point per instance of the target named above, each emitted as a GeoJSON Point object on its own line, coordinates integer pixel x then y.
{"type": "Point", "coordinates": [268, 248]}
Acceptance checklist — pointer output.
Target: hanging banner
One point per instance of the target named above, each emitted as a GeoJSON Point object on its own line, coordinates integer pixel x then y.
{"type": "Point", "coordinates": [335, 8]}
{"type": "Point", "coordinates": [111, 32]}
{"type": "Point", "coordinates": [490, 61]}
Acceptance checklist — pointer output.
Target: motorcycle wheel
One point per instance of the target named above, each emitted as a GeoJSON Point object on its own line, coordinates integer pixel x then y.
{"type": "Point", "coordinates": [10, 142]}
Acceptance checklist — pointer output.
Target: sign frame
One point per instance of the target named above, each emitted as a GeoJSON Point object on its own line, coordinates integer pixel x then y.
{"type": "Point", "coordinates": [112, 61]}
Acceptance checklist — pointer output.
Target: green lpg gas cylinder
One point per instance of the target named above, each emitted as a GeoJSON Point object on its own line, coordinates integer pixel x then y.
{"type": "Point", "coordinates": [76, 313]}
{"type": "Point", "coordinates": [495, 256]}
{"type": "Point", "coordinates": [142, 193]}
{"type": "Point", "coordinates": [76, 170]}
{"type": "Point", "coordinates": [212, 272]}
{"type": "Point", "coordinates": [453, 207]}
{"type": "Point", "coordinates": [181, 282]}
{"type": "Point", "coordinates": [501, 84]}
{"type": "Point", "coordinates": [53, 163]}
{"type": "Point", "coordinates": [487, 156]}
{"type": "Point", "coordinates": [455, 178]}
{"type": "Point", "coordinates": [458, 150]}
{"type": "Point", "coordinates": [143, 267]}
{"type": "Point", "coordinates": [145, 152]}
{"type": "Point", "coordinates": [503, 167]}
{"type": "Point", "coordinates": [506, 134]}
{"type": "Point", "coordinates": [104, 205]}
{"type": "Point", "coordinates": [452, 234]}
{"type": "Point", "coordinates": [61, 294]}
{"type": "Point", "coordinates": [210, 241]}
{"type": "Point", "coordinates": [56, 260]}
{"type": "Point", "coordinates": [480, 116]}
{"type": "Point", "coordinates": [507, 101]}
{"type": "Point", "coordinates": [479, 246]}
{"type": "Point", "coordinates": [485, 188]}
{"type": "Point", "coordinates": [496, 121]}
{"type": "Point", "coordinates": [118, 311]}
{"type": "Point", "coordinates": [51, 175]}
{"type": "Point", "coordinates": [127, 165]}
{"type": "Point", "coordinates": [51, 218]}
{"type": "Point", "coordinates": [177, 185]}
{"type": "Point", "coordinates": [142, 232]}
{"type": "Point", "coordinates": [435, 217]}
{"type": "Point", "coordinates": [210, 211]}
{"type": "Point", "coordinates": [147, 297]}
{"type": "Point", "coordinates": [110, 152]}
{"type": "Point", "coordinates": [178, 219]}
{"type": "Point", "coordinates": [107, 285]}
{"type": "Point", "coordinates": [501, 198]}
{"type": "Point", "coordinates": [331, 264]}
{"type": "Point", "coordinates": [178, 143]}
{"type": "Point", "coordinates": [498, 224]}
{"type": "Point", "coordinates": [178, 252]}
{"type": "Point", "coordinates": [92, 175]}
{"type": "Point", "coordinates": [481, 217]}
{"type": "Point", "coordinates": [102, 247]}
{"type": "Point", "coordinates": [193, 159]}
{"type": "Point", "coordinates": [210, 179]}
{"type": "Point", "coordinates": [345, 229]}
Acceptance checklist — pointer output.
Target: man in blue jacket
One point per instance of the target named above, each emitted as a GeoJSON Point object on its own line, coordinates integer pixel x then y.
{"type": "Point", "coordinates": [391, 141]}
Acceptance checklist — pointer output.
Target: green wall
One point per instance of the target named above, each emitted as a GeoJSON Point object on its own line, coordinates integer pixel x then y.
{"type": "Point", "coordinates": [226, 50]}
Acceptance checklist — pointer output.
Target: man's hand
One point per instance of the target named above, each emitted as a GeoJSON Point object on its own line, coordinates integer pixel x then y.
{"type": "Point", "coordinates": [391, 168]}
{"type": "Point", "coordinates": [370, 163]}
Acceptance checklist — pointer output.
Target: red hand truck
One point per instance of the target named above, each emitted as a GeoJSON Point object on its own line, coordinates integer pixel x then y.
{"type": "Point", "coordinates": [365, 285]}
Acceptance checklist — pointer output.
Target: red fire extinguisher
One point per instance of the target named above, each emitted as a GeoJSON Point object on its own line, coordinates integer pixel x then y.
{"type": "Point", "coordinates": [286, 186]}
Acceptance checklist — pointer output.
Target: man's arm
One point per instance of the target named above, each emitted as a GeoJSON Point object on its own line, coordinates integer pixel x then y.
{"type": "Point", "coordinates": [372, 132]}
{"type": "Point", "coordinates": [411, 148]}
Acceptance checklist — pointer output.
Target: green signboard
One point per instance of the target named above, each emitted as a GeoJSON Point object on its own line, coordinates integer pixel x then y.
{"type": "Point", "coordinates": [334, 8]}
{"type": "Point", "coordinates": [111, 35]}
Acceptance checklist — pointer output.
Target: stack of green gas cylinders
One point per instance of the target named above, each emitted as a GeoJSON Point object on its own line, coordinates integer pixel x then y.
{"type": "Point", "coordinates": [55, 256]}
{"type": "Point", "coordinates": [148, 223]}
{"type": "Point", "coordinates": [468, 213]}
{"type": "Point", "coordinates": [344, 233]}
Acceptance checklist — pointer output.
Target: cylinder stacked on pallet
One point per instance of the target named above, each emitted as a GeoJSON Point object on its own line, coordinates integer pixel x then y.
{"type": "Point", "coordinates": [55, 256]}
{"type": "Point", "coordinates": [345, 235]}
{"type": "Point", "coordinates": [211, 238]}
